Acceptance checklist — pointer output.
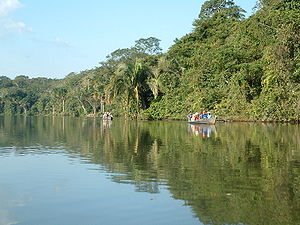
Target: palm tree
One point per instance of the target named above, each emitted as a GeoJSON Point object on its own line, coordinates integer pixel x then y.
{"type": "Point", "coordinates": [155, 81]}
{"type": "Point", "coordinates": [129, 80]}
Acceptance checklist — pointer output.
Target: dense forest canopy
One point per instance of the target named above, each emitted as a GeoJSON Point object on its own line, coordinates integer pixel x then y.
{"type": "Point", "coordinates": [235, 67]}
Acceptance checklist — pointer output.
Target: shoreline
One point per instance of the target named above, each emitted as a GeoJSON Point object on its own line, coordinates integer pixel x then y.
{"type": "Point", "coordinates": [222, 120]}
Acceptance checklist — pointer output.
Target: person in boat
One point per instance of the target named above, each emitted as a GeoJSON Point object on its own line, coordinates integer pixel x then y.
{"type": "Point", "coordinates": [197, 116]}
{"type": "Point", "coordinates": [209, 116]}
{"type": "Point", "coordinates": [107, 115]}
{"type": "Point", "coordinates": [203, 115]}
{"type": "Point", "coordinates": [190, 115]}
{"type": "Point", "coordinates": [194, 116]}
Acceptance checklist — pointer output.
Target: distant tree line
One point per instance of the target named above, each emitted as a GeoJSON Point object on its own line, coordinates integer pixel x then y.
{"type": "Point", "coordinates": [238, 68]}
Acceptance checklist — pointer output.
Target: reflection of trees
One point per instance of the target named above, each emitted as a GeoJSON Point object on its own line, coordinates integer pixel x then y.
{"type": "Point", "coordinates": [246, 173]}
{"type": "Point", "coordinates": [244, 179]}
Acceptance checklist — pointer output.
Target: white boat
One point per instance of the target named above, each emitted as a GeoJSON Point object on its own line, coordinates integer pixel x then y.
{"type": "Point", "coordinates": [107, 116]}
{"type": "Point", "coordinates": [210, 121]}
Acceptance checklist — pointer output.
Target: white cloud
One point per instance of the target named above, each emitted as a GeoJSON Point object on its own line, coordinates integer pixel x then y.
{"type": "Point", "coordinates": [19, 27]}
{"type": "Point", "coordinates": [7, 6]}
{"type": "Point", "coordinates": [9, 26]}
{"type": "Point", "coordinates": [62, 43]}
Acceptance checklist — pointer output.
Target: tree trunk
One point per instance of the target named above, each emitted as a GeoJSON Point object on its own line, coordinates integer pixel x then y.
{"type": "Point", "coordinates": [63, 108]}
{"type": "Point", "coordinates": [102, 107]}
{"type": "Point", "coordinates": [25, 110]}
{"type": "Point", "coordinates": [94, 110]}
{"type": "Point", "coordinates": [94, 106]}
{"type": "Point", "coordinates": [137, 97]}
{"type": "Point", "coordinates": [82, 106]}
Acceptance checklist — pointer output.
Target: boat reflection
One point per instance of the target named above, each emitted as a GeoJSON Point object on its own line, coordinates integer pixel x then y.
{"type": "Point", "coordinates": [203, 130]}
{"type": "Point", "coordinates": [107, 123]}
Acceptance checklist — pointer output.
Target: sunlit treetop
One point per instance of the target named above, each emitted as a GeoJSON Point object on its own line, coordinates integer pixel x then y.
{"type": "Point", "coordinates": [225, 8]}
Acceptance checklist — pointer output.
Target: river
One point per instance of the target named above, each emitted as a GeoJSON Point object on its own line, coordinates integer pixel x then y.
{"type": "Point", "coordinates": [85, 171]}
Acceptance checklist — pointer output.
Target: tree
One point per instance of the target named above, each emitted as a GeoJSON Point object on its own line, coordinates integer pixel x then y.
{"type": "Point", "coordinates": [225, 8]}
{"type": "Point", "coordinates": [129, 81]}
{"type": "Point", "coordinates": [122, 55]}
{"type": "Point", "coordinates": [21, 98]}
{"type": "Point", "coordinates": [263, 3]}
{"type": "Point", "coordinates": [148, 45]}
{"type": "Point", "coordinates": [5, 82]}
{"type": "Point", "coordinates": [143, 47]}
{"type": "Point", "coordinates": [60, 94]}
{"type": "Point", "coordinates": [21, 81]}
{"type": "Point", "coordinates": [94, 94]}
{"type": "Point", "coordinates": [155, 81]}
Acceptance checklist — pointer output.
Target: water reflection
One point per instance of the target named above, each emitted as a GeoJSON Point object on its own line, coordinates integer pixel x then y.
{"type": "Point", "coordinates": [247, 174]}
{"type": "Point", "coordinates": [107, 123]}
{"type": "Point", "coordinates": [202, 130]}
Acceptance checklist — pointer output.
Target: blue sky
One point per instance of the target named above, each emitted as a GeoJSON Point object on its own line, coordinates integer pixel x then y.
{"type": "Point", "coordinates": [51, 38]}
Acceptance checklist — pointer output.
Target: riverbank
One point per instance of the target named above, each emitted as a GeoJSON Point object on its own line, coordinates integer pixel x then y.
{"type": "Point", "coordinates": [219, 119]}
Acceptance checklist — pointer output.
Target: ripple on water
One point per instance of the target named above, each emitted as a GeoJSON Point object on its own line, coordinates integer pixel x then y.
{"type": "Point", "coordinates": [30, 150]}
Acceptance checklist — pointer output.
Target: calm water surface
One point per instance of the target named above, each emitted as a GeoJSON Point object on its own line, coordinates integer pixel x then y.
{"type": "Point", "coordinates": [68, 171]}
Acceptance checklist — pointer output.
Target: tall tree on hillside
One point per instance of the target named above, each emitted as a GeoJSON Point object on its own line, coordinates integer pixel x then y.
{"type": "Point", "coordinates": [148, 46]}
{"type": "Point", "coordinates": [22, 81]}
{"type": "Point", "coordinates": [60, 94]}
{"type": "Point", "coordinates": [143, 47]}
{"type": "Point", "coordinates": [94, 94]}
{"type": "Point", "coordinates": [263, 3]}
{"type": "Point", "coordinates": [120, 56]}
{"type": "Point", "coordinates": [225, 8]}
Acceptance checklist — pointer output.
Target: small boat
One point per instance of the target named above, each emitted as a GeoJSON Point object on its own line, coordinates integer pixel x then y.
{"type": "Point", "coordinates": [107, 116]}
{"type": "Point", "coordinates": [210, 121]}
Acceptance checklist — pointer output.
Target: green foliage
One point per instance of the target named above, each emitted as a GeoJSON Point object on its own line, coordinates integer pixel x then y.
{"type": "Point", "coordinates": [130, 81]}
{"type": "Point", "coordinates": [225, 8]}
{"type": "Point", "coordinates": [148, 46]}
{"type": "Point", "coordinates": [5, 82]}
{"type": "Point", "coordinates": [235, 67]}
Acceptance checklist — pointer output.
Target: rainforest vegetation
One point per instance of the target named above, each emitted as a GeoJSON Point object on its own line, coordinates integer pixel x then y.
{"type": "Point", "coordinates": [236, 67]}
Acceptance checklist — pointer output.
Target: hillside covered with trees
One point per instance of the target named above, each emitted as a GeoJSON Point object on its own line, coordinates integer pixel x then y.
{"type": "Point", "coordinates": [236, 67]}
